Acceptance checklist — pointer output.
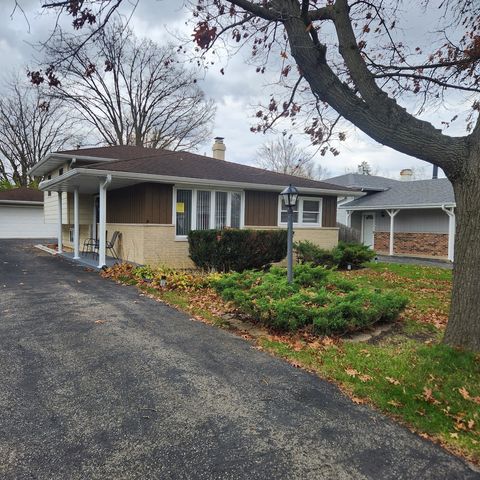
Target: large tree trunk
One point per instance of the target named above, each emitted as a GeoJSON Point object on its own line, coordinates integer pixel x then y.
{"type": "Point", "coordinates": [463, 327]}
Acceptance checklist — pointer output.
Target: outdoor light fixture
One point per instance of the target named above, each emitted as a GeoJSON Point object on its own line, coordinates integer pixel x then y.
{"type": "Point", "coordinates": [289, 196]}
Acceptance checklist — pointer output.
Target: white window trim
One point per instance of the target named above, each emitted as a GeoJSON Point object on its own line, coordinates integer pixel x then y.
{"type": "Point", "coordinates": [212, 190]}
{"type": "Point", "coordinates": [300, 223]}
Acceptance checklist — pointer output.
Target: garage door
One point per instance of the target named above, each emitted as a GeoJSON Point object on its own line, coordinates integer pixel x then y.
{"type": "Point", "coordinates": [24, 222]}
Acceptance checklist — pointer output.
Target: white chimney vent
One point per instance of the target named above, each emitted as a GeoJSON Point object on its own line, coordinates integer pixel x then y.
{"type": "Point", "coordinates": [219, 148]}
{"type": "Point", "coordinates": [406, 174]}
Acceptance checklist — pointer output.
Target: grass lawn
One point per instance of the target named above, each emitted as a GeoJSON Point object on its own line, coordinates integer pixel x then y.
{"type": "Point", "coordinates": [406, 372]}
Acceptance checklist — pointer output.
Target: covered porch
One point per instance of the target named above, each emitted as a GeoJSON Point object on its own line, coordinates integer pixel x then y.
{"type": "Point", "coordinates": [368, 224]}
{"type": "Point", "coordinates": [87, 200]}
{"type": "Point", "coordinates": [89, 260]}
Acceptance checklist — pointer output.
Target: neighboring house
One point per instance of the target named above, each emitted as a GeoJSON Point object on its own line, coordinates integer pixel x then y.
{"type": "Point", "coordinates": [408, 217]}
{"type": "Point", "coordinates": [155, 197]}
{"type": "Point", "coordinates": [21, 214]}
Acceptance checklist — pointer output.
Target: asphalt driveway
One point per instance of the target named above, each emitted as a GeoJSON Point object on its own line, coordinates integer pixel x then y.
{"type": "Point", "coordinates": [98, 382]}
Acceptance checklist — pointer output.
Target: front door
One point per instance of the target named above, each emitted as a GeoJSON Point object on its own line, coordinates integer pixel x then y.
{"type": "Point", "coordinates": [367, 230]}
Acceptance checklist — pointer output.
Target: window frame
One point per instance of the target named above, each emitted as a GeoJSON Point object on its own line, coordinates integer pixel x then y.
{"type": "Point", "coordinates": [301, 223]}
{"type": "Point", "coordinates": [212, 191]}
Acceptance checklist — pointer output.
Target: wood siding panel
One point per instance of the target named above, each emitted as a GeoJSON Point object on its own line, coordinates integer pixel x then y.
{"type": "Point", "coordinates": [329, 211]}
{"type": "Point", "coordinates": [261, 208]}
{"type": "Point", "coordinates": [126, 205]}
{"type": "Point", "coordinates": [158, 203]}
{"type": "Point", "coordinates": [142, 203]}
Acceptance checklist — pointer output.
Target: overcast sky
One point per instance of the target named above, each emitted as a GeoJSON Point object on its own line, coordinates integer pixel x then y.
{"type": "Point", "coordinates": [236, 93]}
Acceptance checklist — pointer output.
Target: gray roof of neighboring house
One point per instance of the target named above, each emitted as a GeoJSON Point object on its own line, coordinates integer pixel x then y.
{"type": "Point", "coordinates": [366, 182]}
{"type": "Point", "coordinates": [408, 193]}
{"type": "Point", "coordinates": [21, 194]}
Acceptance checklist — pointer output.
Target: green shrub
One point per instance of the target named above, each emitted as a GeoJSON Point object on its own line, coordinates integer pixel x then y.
{"type": "Point", "coordinates": [308, 252]}
{"type": "Point", "coordinates": [354, 254]}
{"type": "Point", "coordinates": [344, 254]}
{"type": "Point", "coordinates": [318, 298]}
{"type": "Point", "coordinates": [237, 250]}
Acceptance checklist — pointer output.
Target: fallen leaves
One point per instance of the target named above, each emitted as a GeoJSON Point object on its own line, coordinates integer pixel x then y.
{"type": "Point", "coordinates": [393, 381]}
{"type": "Point", "coordinates": [351, 372]}
{"type": "Point", "coordinates": [395, 404]}
{"type": "Point", "coordinates": [466, 395]}
{"type": "Point", "coordinates": [428, 396]}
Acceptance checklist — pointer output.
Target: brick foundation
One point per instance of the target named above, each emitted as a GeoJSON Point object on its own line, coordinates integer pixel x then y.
{"type": "Point", "coordinates": [428, 244]}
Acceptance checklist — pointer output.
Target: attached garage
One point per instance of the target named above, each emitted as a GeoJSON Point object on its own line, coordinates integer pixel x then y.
{"type": "Point", "coordinates": [21, 215]}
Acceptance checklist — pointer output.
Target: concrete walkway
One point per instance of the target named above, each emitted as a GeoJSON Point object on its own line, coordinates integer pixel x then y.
{"type": "Point", "coordinates": [100, 382]}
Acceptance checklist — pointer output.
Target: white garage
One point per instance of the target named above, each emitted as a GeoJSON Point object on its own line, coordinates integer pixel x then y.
{"type": "Point", "coordinates": [21, 215]}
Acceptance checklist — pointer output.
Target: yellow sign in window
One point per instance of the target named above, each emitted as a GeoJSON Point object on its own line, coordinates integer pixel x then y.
{"type": "Point", "coordinates": [180, 207]}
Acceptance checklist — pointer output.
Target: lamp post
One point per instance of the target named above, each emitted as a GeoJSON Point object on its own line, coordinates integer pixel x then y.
{"type": "Point", "coordinates": [289, 196]}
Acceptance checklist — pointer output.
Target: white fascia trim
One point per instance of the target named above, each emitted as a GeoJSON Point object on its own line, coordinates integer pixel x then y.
{"type": "Point", "coordinates": [145, 177]}
{"type": "Point", "coordinates": [20, 202]}
{"type": "Point", "coordinates": [66, 156]}
{"type": "Point", "coordinates": [398, 207]}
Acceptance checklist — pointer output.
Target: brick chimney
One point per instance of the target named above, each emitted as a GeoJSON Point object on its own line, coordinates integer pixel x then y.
{"type": "Point", "coordinates": [406, 174]}
{"type": "Point", "coordinates": [219, 148]}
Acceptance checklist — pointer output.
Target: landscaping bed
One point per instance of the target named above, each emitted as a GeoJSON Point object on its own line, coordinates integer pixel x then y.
{"type": "Point", "coordinates": [406, 373]}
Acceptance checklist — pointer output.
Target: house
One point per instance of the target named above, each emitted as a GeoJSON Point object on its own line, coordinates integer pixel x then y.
{"type": "Point", "coordinates": [21, 214]}
{"type": "Point", "coordinates": [406, 217]}
{"type": "Point", "coordinates": [155, 197]}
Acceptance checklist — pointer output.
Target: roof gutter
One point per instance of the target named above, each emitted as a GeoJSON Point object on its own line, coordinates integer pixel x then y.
{"type": "Point", "coordinates": [399, 207]}
{"type": "Point", "coordinates": [20, 202]}
{"type": "Point", "coordinates": [145, 177]}
{"type": "Point", "coordinates": [65, 156]}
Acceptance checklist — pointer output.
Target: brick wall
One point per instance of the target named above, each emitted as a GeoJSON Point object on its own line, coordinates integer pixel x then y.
{"type": "Point", "coordinates": [428, 244]}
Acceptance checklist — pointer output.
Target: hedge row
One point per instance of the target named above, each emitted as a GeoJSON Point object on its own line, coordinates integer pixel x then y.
{"type": "Point", "coordinates": [235, 249]}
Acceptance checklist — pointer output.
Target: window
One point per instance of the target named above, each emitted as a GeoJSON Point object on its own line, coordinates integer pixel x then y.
{"type": "Point", "coordinates": [307, 212]}
{"type": "Point", "coordinates": [311, 211]}
{"type": "Point", "coordinates": [184, 212]}
{"type": "Point", "coordinates": [60, 171]}
{"type": "Point", "coordinates": [49, 178]}
{"type": "Point", "coordinates": [205, 209]}
{"type": "Point", "coordinates": [236, 209]}
{"type": "Point", "coordinates": [221, 199]}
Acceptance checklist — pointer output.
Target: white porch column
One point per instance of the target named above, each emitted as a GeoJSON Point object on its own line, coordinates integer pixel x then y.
{"type": "Point", "coordinates": [392, 214]}
{"type": "Point", "coordinates": [76, 226]}
{"type": "Point", "coordinates": [349, 217]}
{"type": "Point", "coordinates": [102, 232]}
{"type": "Point", "coordinates": [59, 230]}
{"type": "Point", "coordinates": [451, 231]}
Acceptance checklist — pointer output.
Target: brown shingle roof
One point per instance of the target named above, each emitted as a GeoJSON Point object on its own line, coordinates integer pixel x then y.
{"type": "Point", "coordinates": [22, 194]}
{"type": "Point", "coordinates": [184, 164]}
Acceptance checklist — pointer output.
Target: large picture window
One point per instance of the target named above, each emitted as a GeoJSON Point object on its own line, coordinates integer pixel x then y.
{"type": "Point", "coordinates": [307, 212]}
{"type": "Point", "coordinates": [184, 211]}
{"type": "Point", "coordinates": [197, 209]}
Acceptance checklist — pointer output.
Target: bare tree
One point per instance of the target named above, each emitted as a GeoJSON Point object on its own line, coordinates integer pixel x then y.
{"type": "Point", "coordinates": [347, 57]}
{"type": "Point", "coordinates": [31, 125]}
{"type": "Point", "coordinates": [283, 155]}
{"type": "Point", "coordinates": [131, 91]}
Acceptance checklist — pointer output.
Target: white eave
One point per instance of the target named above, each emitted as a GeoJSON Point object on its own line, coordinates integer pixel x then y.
{"type": "Point", "coordinates": [82, 178]}
{"type": "Point", "coordinates": [398, 207]}
{"type": "Point", "coordinates": [21, 202]}
{"type": "Point", "coordinates": [54, 160]}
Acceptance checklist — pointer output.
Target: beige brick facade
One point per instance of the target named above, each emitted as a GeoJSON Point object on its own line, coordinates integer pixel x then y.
{"type": "Point", "coordinates": [156, 244]}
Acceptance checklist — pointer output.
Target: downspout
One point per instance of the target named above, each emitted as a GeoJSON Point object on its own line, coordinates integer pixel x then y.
{"type": "Point", "coordinates": [451, 231]}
